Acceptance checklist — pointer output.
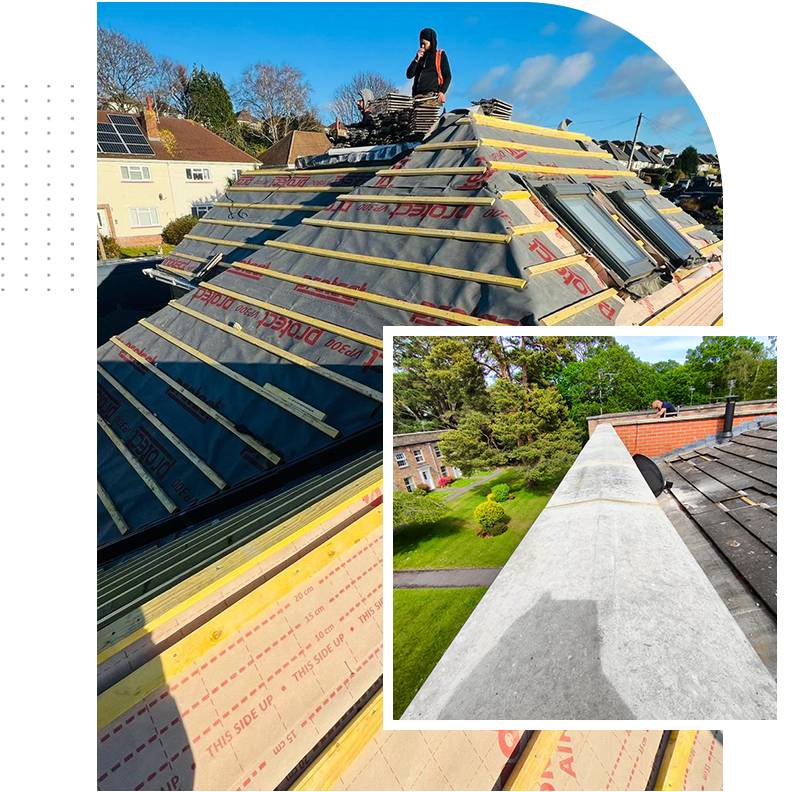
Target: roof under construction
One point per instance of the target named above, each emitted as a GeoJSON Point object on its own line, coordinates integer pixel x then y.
{"type": "Point", "coordinates": [274, 354]}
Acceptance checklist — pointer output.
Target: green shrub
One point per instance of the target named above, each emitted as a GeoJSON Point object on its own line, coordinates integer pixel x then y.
{"type": "Point", "coordinates": [423, 487]}
{"type": "Point", "coordinates": [489, 514]}
{"type": "Point", "coordinates": [176, 229]}
{"type": "Point", "coordinates": [111, 248]}
{"type": "Point", "coordinates": [500, 492]}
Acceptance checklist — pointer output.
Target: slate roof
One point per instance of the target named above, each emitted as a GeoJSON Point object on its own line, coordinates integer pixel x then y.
{"type": "Point", "coordinates": [414, 438]}
{"type": "Point", "coordinates": [730, 490]}
{"type": "Point", "coordinates": [193, 142]}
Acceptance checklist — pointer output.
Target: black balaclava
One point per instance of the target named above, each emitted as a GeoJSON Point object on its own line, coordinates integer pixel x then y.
{"type": "Point", "coordinates": [429, 35]}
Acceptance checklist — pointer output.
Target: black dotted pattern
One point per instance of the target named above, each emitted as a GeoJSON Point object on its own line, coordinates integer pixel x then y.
{"type": "Point", "coordinates": [37, 153]}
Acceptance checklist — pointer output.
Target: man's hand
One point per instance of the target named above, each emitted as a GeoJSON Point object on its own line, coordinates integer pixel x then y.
{"type": "Point", "coordinates": [420, 53]}
{"type": "Point", "coordinates": [442, 97]}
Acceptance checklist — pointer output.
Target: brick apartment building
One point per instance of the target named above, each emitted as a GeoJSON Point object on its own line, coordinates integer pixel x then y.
{"type": "Point", "coordinates": [417, 459]}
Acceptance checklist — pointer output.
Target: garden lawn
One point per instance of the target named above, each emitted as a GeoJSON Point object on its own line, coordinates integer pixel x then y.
{"type": "Point", "coordinates": [464, 482]}
{"type": "Point", "coordinates": [453, 541]}
{"type": "Point", "coordinates": [425, 623]}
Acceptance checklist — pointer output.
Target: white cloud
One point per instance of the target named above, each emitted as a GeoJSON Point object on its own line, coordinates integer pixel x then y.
{"type": "Point", "coordinates": [487, 80]}
{"type": "Point", "coordinates": [542, 76]}
{"type": "Point", "coordinates": [674, 118]}
{"type": "Point", "coordinates": [712, 131]}
{"type": "Point", "coordinates": [550, 29]}
{"type": "Point", "coordinates": [598, 30]}
{"type": "Point", "coordinates": [701, 77]}
{"type": "Point", "coordinates": [614, 19]}
{"type": "Point", "coordinates": [639, 73]}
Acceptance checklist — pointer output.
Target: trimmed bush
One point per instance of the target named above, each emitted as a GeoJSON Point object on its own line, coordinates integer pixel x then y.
{"type": "Point", "coordinates": [423, 487]}
{"type": "Point", "coordinates": [176, 229]}
{"type": "Point", "coordinates": [444, 482]}
{"type": "Point", "coordinates": [111, 248]}
{"type": "Point", "coordinates": [500, 492]}
{"type": "Point", "coordinates": [489, 514]}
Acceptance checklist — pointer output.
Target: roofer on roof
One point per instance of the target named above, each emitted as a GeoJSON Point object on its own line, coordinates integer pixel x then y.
{"type": "Point", "coordinates": [430, 69]}
{"type": "Point", "coordinates": [364, 105]}
{"type": "Point", "coordinates": [664, 409]}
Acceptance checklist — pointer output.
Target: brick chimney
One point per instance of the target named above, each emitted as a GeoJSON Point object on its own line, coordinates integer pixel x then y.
{"type": "Point", "coordinates": [151, 121]}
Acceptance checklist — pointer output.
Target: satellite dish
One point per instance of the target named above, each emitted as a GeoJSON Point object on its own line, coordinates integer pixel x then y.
{"type": "Point", "coordinates": [652, 474]}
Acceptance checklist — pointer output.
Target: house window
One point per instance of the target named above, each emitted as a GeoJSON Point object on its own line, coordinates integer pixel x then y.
{"type": "Point", "coordinates": [236, 173]}
{"type": "Point", "coordinates": [444, 471]}
{"type": "Point", "coordinates": [144, 216]}
{"type": "Point", "coordinates": [654, 227]}
{"type": "Point", "coordinates": [200, 211]}
{"type": "Point", "coordinates": [438, 452]}
{"type": "Point", "coordinates": [135, 173]}
{"type": "Point", "coordinates": [409, 482]}
{"type": "Point", "coordinates": [198, 174]}
{"type": "Point", "coordinates": [400, 458]}
{"type": "Point", "coordinates": [596, 229]}
{"type": "Point", "coordinates": [418, 455]}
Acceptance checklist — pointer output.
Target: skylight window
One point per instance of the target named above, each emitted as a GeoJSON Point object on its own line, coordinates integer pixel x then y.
{"type": "Point", "coordinates": [654, 227]}
{"type": "Point", "coordinates": [597, 230]}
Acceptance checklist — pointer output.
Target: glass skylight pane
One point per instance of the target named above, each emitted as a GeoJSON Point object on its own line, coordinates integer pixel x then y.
{"type": "Point", "coordinates": [603, 227]}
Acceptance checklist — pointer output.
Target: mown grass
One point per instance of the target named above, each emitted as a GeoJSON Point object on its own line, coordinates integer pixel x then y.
{"type": "Point", "coordinates": [453, 542]}
{"type": "Point", "coordinates": [425, 622]}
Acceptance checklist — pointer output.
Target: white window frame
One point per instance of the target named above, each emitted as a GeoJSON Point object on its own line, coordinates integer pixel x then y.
{"type": "Point", "coordinates": [409, 482]}
{"type": "Point", "coordinates": [196, 211]}
{"type": "Point", "coordinates": [143, 171]}
{"type": "Point", "coordinates": [444, 471]}
{"type": "Point", "coordinates": [418, 455]}
{"type": "Point", "coordinates": [153, 213]}
{"type": "Point", "coordinates": [205, 174]}
{"type": "Point", "coordinates": [437, 451]}
{"type": "Point", "coordinates": [401, 457]}
{"type": "Point", "coordinates": [236, 173]}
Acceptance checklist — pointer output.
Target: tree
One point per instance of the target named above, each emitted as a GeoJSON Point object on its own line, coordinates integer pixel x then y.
{"type": "Point", "coordinates": [209, 103]}
{"type": "Point", "coordinates": [415, 507]}
{"type": "Point", "coordinates": [688, 161]}
{"type": "Point", "coordinates": [280, 96]}
{"type": "Point", "coordinates": [170, 88]}
{"type": "Point", "coordinates": [436, 378]}
{"type": "Point", "coordinates": [124, 69]}
{"type": "Point", "coordinates": [345, 96]}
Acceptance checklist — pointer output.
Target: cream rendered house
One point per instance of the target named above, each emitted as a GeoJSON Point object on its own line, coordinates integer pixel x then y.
{"type": "Point", "coordinates": [137, 195]}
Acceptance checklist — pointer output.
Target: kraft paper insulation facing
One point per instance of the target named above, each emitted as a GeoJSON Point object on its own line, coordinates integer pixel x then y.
{"type": "Point", "coordinates": [339, 332]}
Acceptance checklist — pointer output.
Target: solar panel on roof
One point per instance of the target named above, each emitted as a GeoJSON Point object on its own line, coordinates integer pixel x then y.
{"type": "Point", "coordinates": [133, 138]}
{"type": "Point", "coordinates": [140, 149]}
{"type": "Point", "coordinates": [107, 137]}
{"type": "Point", "coordinates": [105, 128]}
{"type": "Point", "coordinates": [113, 148]}
{"type": "Point", "coordinates": [121, 119]}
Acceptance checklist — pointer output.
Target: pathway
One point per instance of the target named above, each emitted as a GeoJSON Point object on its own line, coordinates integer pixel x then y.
{"type": "Point", "coordinates": [452, 494]}
{"type": "Point", "coordinates": [464, 577]}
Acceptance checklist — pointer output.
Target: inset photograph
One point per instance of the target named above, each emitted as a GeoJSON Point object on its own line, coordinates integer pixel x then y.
{"type": "Point", "coordinates": [585, 527]}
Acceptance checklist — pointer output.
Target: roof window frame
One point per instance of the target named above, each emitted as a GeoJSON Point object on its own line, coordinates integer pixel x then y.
{"type": "Point", "coordinates": [560, 198]}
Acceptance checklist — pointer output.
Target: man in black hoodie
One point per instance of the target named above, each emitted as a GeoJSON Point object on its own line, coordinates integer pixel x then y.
{"type": "Point", "coordinates": [430, 69]}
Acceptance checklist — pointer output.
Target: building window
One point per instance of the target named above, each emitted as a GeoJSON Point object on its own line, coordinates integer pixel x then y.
{"type": "Point", "coordinates": [444, 471]}
{"type": "Point", "coordinates": [597, 229]}
{"type": "Point", "coordinates": [144, 216]}
{"type": "Point", "coordinates": [400, 458]}
{"type": "Point", "coordinates": [438, 452]}
{"type": "Point", "coordinates": [200, 211]}
{"type": "Point", "coordinates": [135, 173]}
{"type": "Point", "coordinates": [418, 455]}
{"type": "Point", "coordinates": [236, 173]}
{"type": "Point", "coordinates": [198, 174]}
{"type": "Point", "coordinates": [409, 482]}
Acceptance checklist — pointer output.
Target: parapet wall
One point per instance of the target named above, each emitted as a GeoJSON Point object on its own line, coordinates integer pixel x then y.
{"type": "Point", "coordinates": [643, 434]}
{"type": "Point", "coordinates": [600, 613]}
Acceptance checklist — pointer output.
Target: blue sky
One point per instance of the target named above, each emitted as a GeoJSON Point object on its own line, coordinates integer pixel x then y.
{"type": "Point", "coordinates": [653, 349]}
{"type": "Point", "coordinates": [550, 62]}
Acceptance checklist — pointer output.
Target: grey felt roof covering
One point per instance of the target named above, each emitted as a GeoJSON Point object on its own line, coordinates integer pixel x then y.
{"type": "Point", "coordinates": [730, 490]}
{"type": "Point", "coordinates": [417, 252]}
